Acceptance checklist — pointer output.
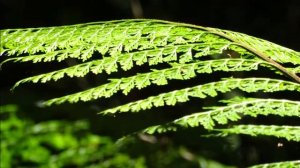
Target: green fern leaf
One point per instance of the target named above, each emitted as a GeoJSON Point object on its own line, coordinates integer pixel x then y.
{"type": "Point", "coordinates": [233, 112]}
{"type": "Point", "coordinates": [118, 37]}
{"type": "Point", "coordinates": [291, 133]}
{"type": "Point", "coordinates": [158, 77]}
{"type": "Point", "coordinates": [286, 164]}
{"type": "Point", "coordinates": [202, 91]}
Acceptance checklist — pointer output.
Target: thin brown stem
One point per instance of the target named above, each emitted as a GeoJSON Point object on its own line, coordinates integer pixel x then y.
{"type": "Point", "coordinates": [260, 55]}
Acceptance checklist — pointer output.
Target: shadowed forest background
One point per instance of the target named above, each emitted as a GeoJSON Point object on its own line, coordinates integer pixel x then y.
{"type": "Point", "coordinates": [276, 21]}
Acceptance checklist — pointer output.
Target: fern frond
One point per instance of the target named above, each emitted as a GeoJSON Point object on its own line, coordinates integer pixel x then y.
{"type": "Point", "coordinates": [158, 77]}
{"type": "Point", "coordinates": [202, 91]}
{"type": "Point", "coordinates": [110, 64]}
{"type": "Point", "coordinates": [286, 164]}
{"type": "Point", "coordinates": [233, 112]}
{"type": "Point", "coordinates": [127, 35]}
{"type": "Point", "coordinates": [117, 37]}
{"type": "Point", "coordinates": [130, 34]}
{"type": "Point", "coordinates": [114, 46]}
{"type": "Point", "coordinates": [105, 37]}
{"type": "Point", "coordinates": [167, 53]}
{"type": "Point", "coordinates": [291, 133]}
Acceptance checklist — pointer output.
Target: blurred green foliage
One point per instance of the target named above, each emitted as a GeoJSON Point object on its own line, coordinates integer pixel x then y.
{"type": "Point", "coordinates": [58, 143]}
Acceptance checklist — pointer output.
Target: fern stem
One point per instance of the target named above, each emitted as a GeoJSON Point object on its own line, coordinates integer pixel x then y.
{"type": "Point", "coordinates": [259, 54]}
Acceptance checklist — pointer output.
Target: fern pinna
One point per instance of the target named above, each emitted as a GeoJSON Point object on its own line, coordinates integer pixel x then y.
{"type": "Point", "coordinates": [185, 52]}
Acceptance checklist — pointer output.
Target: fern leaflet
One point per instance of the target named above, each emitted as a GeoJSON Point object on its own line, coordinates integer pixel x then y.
{"type": "Point", "coordinates": [233, 112]}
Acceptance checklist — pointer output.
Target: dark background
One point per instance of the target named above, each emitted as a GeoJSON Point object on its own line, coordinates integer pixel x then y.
{"type": "Point", "coordinates": [276, 21]}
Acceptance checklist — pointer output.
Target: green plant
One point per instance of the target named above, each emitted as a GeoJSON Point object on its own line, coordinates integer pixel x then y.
{"type": "Point", "coordinates": [218, 66]}
{"type": "Point", "coordinates": [56, 144]}
{"type": "Point", "coordinates": [62, 143]}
